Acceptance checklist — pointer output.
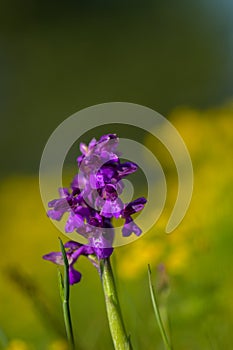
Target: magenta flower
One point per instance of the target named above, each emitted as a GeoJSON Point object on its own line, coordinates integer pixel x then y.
{"type": "Point", "coordinates": [93, 200]}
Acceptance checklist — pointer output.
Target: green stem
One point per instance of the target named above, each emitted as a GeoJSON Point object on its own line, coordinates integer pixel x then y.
{"type": "Point", "coordinates": [65, 295]}
{"type": "Point", "coordinates": [157, 313]}
{"type": "Point", "coordinates": [68, 324]}
{"type": "Point", "coordinates": [120, 339]}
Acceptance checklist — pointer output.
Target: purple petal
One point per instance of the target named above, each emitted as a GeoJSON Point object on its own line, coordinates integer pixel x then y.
{"type": "Point", "coordinates": [72, 245]}
{"type": "Point", "coordinates": [95, 221]}
{"type": "Point", "coordinates": [83, 250]}
{"type": "Point", "coordinates": [55, 215]}
{"type": "Point", "coordinates": [63, 192]}
{"type": "Point", "coordinates": [117, 207]}
{"type": "Point", "coordinates": [52, 203]}
{"type": "Point", "coordinates": [108, 156]}
{"type": "Point", "coordinates": [108, 137]}
{"type": "Point", "coordinates": [111, 192]}
{"type": "Point", "coordinates": [77, 252]}
{"type": "Point", "coordinates": [108, 142]}
{"type": "Point", "coordinates": [112, 208]}
{"type": "Point", "coordinates": [130, 227]}
{"type": "Point", "coordinates": [108, 171]}
{"type": "Point", "coordinates": [55, 257]}
{"type": "Point", "coordinates": [103, 253]}
{"type": "Point", "coordinates": [99, 180]}
{"type": "Point", "coordinates": [83, 148]}
{"type": "Point", "coordinates": [92, 144]}
{"type": "Point", "coordinates": [74, 222]}
{"type": "Point", "coordinates": [62, 204]}
{"type": "Point", "coordinates": [74, 275]}
{"type": "Point", "coordinates": [106, 210]}
{"type": "Point", "coordinates": [93, 181]}
{"type": "Point", "coordinates": [80, 159]}
{"type": "Point", "coordinates": [133, 207]}
{"type": "Point", "coordinates": [126, 169]}
{"type": "Point", "coordinates": [83, 212]}
{"type": "Point", "coordinates": [102, 245]}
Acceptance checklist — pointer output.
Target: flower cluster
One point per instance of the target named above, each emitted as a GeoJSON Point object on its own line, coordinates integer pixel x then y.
{"type": "Point", "coordinates": [93, 200]}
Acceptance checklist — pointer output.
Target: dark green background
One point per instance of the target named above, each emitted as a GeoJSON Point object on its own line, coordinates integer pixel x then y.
{"type": "Point", "coordinates": [57, 57]}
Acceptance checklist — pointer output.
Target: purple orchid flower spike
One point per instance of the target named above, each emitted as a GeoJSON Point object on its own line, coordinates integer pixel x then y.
{"type": "Point", "coordinates": [93, 199]}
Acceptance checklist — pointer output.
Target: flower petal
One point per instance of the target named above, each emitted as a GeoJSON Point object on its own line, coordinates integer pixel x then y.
{"type": "Point", "coordinates": [55, 257]}
{"type": "Point", "coordinates": [112, 208]}
{"type": "Point", "coordinates": [126, 168]}
{"type": "Point", "coordinates": [74, 222]}
{"type": "Point", "coordinates": [103, 253]}
{"type": "Point", "coordinates": [83, 250]}
{"type": "Point", "coordinates": [74, 275]}
{"type": "Point", "coordinates": [130, 227]}
{"type": "Point", "coordinates": [72, 245]}
{"type": "Point", "coordinates": [133, 207]}
{"type": "Point", "coordinates": [55, 215]}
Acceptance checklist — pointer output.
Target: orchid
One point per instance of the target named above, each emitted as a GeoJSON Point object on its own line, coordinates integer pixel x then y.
{"type": "Point", "coordinates": [93, 199]}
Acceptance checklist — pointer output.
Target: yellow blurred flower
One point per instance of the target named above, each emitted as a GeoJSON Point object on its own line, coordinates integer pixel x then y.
{"type": "Point", "coordinates": [18, 344]}
{"type": "Point", "coordinates": [134, 258]}
{"type": "Point", "coordinates": [209, 138]}
{"type": "Point", "coordinates": [59, 344]}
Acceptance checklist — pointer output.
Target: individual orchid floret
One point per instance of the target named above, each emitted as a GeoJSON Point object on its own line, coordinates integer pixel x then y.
{"type": "Point", "coordinates": [74, 251]}
{"type": "Point", "coordinates": [130, 209]}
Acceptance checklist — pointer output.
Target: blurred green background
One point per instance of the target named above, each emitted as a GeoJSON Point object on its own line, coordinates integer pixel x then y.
{"type": "Point", "coordinates": [176, 57]}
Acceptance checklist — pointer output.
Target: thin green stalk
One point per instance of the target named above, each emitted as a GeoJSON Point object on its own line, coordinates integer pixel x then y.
{"type": "Point", "coordinates": [167, 344]}
{"type": "Point", "coordinates": [65, 294]}
{"type": "Point", "coordinates": [120, 339]}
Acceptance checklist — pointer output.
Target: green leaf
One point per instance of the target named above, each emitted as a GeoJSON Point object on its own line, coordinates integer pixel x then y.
{"type": "Point", "coordinates": [61, 284]}
{"type": "Point", "coordinates": [66, 271]}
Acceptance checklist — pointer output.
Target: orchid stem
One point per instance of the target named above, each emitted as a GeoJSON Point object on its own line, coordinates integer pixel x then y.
{"type": "Point", "coordinates": [120, 339]}
{"type": "Point", "coordinates": [65, 295]}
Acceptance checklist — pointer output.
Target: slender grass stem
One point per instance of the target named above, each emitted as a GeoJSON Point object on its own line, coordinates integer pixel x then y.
{"type": "Point", "coordinates": [120, 339]}
{"type": "Point", "coordinates": [167, 344]}
{"type": "Point", "coordinates": [65, 295]}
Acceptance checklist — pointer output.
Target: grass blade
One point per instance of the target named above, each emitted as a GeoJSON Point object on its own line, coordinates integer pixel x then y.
{"type": "Point", "coordinates": [167, 344]}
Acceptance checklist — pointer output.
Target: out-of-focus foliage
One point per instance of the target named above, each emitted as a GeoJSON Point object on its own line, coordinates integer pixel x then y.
{"type": "Point", "coordinates": [209, 138]}
{"type": "Point", "coordinates": [17, 344]}
{"type": "Point", "coordinates": [197, 256]}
